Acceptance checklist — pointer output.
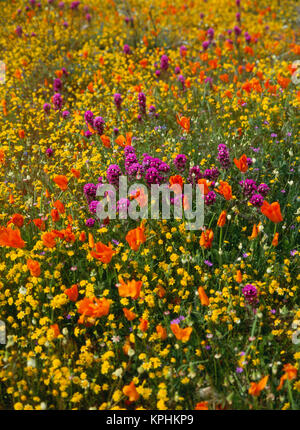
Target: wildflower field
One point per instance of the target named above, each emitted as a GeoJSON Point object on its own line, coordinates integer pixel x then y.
{"type": "Point", "coordinates": [123, 313]}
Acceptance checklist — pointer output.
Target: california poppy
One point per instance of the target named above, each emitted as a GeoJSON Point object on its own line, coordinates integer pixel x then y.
{"type": "Point", "coordinates": [55, 215]}
{"type": "Point", "coordinates": [203, 182]}
{"type": "Point", "coordinates": [241, 164]}
{"type": "Point", "coordinates": [103, 252]}
{"type": "Point", "coordinates": [275, 239]}
{"type": "Point", "coordinates": [238, 277]}
{"type": "Point", "coordinates": [72, 293]}
{"type": "Point", "coordinates": [272, 211]}
{"type": "Point", "coordinates": [222, 219]}
{"type": "Point", "coordinates": [48, 239]}
{"type": "Point", "coordinates": [161, 331]}
{"type": "Point", "coordinates": [290, 374]}
{"type": "Point", "coordinates": [55, 329]}
{"type": "Point", "coordinates": [225, 190]}
{"type": "Point", "coordinates": [184, 123]}
{"type": "Point", "coordinates": [201, 406]}
{"type": "Point", "coordinates": [136, 237]}
{"type": "Point", "coordinates": [206, 238]}
{"type": "Point", "coordinates": [61, 181]}
{"type": "Point", "coordinates": [130, 289]}
{"type": "Point", "coordinates": [93, 307]}
{"type": "Point", "coordinates": [11, 237]}
{"type": "Point", "coordinates": [34, 267]}
{"type": "Point", "coordinates": [131, 392]}
{"type": "Point", "coordinates": [182, 334]}
{"type": "Point", "coordinates": [256, 388]}
{"type": "Point", "coordinates": [129, 315]}
{"type": "Point", "coordinates": [143, 326]}
{"type": "Point", "coordinates": [203, 297]}
{"type": "Point", "coordinates": [255, 231]}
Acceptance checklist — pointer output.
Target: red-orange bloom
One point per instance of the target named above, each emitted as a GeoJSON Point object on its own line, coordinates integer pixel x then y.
{"type": "Point", "coordinates": [290, 374]}
{"type": "Point", "coordinates": [241, 164]}
{"type": "Point", "coordinates": [61, 181]}
{"type": "Point", "coordinates": [93, 308]}
{"type": "Point", "coordinates": [256, 388]}
{"type": "Point", "coordinates": [136, 237]}
{"type": "Point", "coordinates": [143, 326]}
{"type": "Point", "coordinates": [238, 277]}
{"type": "Point", "coordinates": [275, 239]}
{"type": "Point", "coordinates": [17, 220]}
{"type": "Point", "coordinates": [59, 206]}
{"type": "Point", "coordinates": [40, 224]}
{"type": "Point", "coordinates": [105, 140]}
{"type": "Point", "coordinates": [161, 331]}
{"type": "Point", "coordinates": [201, 406]}
{"type": "Point", "coordinates": [129, 315]}
{"type": "Point", "coordinates": [55, 215]}
{"type": "Point", "coordinates": [55, 329]}
{"type": "Point", "coordinates": [176, 180]}
{"type": "Point", "coordinates": [206, 238]}
{"type": "Point", "coordinates": [203, 297]}
{"type": "Point", "coordinates": [48, 239]}
{"type": "Point", "coordinates": [103, 253]}
{"type": "Point", "coordinates": [222, 219]}
{"type": "Point", "coordinates": [205, 184]}
{"type": "Point", "coordinates": [130, 289]}
{"type": "Point", "coordinates": [131, 392]}
{"type": "Point", "coordinates": [11, 237]}
{"type": "Point", "coordinates": [184, 123]}
{"type": "Point", "coordinates": [225, 190]}
{"type": "Point", "coordinates": [72, 293]}
{"type": "Point", "coordinates": [272, 211]}
{"type": "Point", "coordinates": [34, 267]}
{"type": "Point", "coordinates": [182, 334]}
{"type": "Point", "coordinates": [75, 173]}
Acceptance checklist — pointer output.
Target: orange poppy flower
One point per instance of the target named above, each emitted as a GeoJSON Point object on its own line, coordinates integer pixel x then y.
{"type": "Point", "coordinates": [206, 238]}
{"type": "Point", "coordinates": [48, 239]}
{"type": "Point", "coordinates": [34, 267]}
{"type": "Point", "coordinates": [182, 334]}
{"type": "Point", "coordinates": [55, 329]}
{"type": "Point", "coordinates": [143, 326]}
{"type": "Point", "coordinates": [11, 237]}
{"type": "Point", "coordinates": [17, 220]}
{"type": "Point", "coordinates": [75, 173]}
{"type": "Point", "coordinates": [105, 141]}
{"type": "Point", "coordinates": [184, 123]}
{"type": "Point", "coordinates": [222, 219]}
{"type": "Point", "coordinates": [201, 406]}
{"type": "Point", "coordinates": [136, 237]}
{"type": "Point", "coordinates": [130, 289]}
{"type": "Point", "coordinates": [203, 297]}
{"type": "Point", "coordinates": [55, 215]}
{"type": "Point", "coordinates": [225, 190]}
{"type": "Point", "coordinates": [241, 164]}
{"type": "Point", "coordinates": [82, 236]}
{"type": "Point", "coordinates": [161, 331]}
{"type": "Point", "coordinates": [131, 392]}
{"type": "Point", "coordinates": [290, 374]}
{"type": "Point", "coordinates": [93, 307]}
{"type": "Point", "coordinates": [272, 211]}
{"type": "Point", "coordinates": [61, 181]}
{"type": "Point", "coordinates": [256, 388]}
{"type": "Point", "coordinates": [129, 315]}
{"type": "Point", "coordinates": [255, 231]}
{"type": "Point", "coordinates": [238, 277]}
{"type": "Point", "coordinates": [176, 180]}
{"type": "Point", "coordinates": [72, 293]}
{"type": "Point", "coordinates": [21, 134]}
{"type": "Point", "coordinates": [275, 239]}
{"type": "Point", "coordinates": [103, 253]}
{"type": "Point", "coordinates": [205, 184]}
{"type": "Point", "coordinates": [39, 224]}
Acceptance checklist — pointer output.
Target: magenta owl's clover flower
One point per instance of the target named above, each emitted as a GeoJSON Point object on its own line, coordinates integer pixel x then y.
{"type": "Point", "coordinates": [93, 206]}
{"type": "Point", "coordinates": [57, 84]}
{"type": "Point", "coordinates": [164, 62]}
{"type": "Point", "coordinates": [210, 33]}
{"type": "Point", "coordinates": [257, 200]}
{"type": "Point", "coordinates": [211, 174]}
{"type": "Point", "coordinates": [210, 198]}
{"type": "Point", "coordinates": [177, 70]}
{"type": "Point", "coordinates": [250, 294]}
{"type": "Point", "coordinates": [123, 204]}
{"type": "Point", "coordinates": [65, 114]}
{"type": "Point", "coordinates": [90, 222]}
{"type": "Point", "coordinates": [180, 162]}
{"type": "Point", "coordinates": [237, 30]}
{"type": "Point", "coordinates": [88, 116]}
{"type": "Point", "coordinates": [194, 175]}
{"type": "Point", "coordinates": [49, 152]}
{"type": "Point", "coordinates": [74, 5]}
{"type": "Point", "coordinates": [126, 49]}
{"type": "Point", "coordinates": [181, 79]}
{"type": "Point", "coordinates": [223, 156]}
{"type": "Point", "coordinates": [19, 31]}
{"type": "Point", "coordinates": [263, 189]}
{"type": "Point", "coordinates": [98, 124]}
{"type": "Point", "coordinates": [249, 187]}
{"type": "Point", "coordinates": [205, 45]}
{"type": "Point", "coordinates": [142, 102]}
{"type": "Point", "coordinates": [57, 101]}
{"type": "Point", "coordinates": [47, 108]}
{"type": "Point", "coordinates": [113, 173]}
{"type": "Point", "coordinates": [118, 100]}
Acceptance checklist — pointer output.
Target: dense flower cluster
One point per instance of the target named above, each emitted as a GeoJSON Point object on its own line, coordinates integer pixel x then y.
{"type": "Point", "coordinates": [145, 313]}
